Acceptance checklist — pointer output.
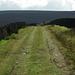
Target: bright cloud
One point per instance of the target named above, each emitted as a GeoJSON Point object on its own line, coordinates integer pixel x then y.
{"type": "Point", "coordinates": [29, 3]}
{"type": "Point", "coordinates": [70, 3]}
{"type": "Point", "coordinates": [38, 4]}
{"type": "Point", "coordinates": [73, 4]}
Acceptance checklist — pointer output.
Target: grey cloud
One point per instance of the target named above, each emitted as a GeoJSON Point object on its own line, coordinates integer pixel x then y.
{"type": "Point", "coordinates": [9, 6]}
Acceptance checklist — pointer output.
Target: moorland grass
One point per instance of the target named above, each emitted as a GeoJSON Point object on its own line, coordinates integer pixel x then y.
{"type": "Point", "coordinates": [29, 48]}
{"type": "Point", "coordinates": [10, 49]}
{"type": "Point", "coordinates": [66, 38]}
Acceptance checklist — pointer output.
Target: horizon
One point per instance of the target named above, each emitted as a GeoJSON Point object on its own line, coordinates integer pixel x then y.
{"type": "Point", "coordinates": [42, 10]}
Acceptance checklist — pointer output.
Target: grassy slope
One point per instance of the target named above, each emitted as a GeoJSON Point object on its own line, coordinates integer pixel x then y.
{"type": "Point", "coordinates": [29, 53]}
{"type": "Point", "coordinates": [10, 49]}
{"type": "Point", "coordinates": [22, 55]}
{"type": "Point", "coordinates": [66, 38]}
{"type": "Point", "coordinates": [36, 61]}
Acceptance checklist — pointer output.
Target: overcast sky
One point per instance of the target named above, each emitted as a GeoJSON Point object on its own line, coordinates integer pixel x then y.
{"type": "Point", "coordinates": [55, 5]}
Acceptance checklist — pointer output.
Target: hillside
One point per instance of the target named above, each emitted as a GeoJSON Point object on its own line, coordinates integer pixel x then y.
{"type": "Point", "coordinates": [67, 22]}
{"type": "Point", "coordinates": [37, 50]}
{"type": "Point", "coordinates": [7, 30]}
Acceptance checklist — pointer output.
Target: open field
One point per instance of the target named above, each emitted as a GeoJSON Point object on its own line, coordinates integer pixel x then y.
{"type": "Point", "coordinates": [35, 50]}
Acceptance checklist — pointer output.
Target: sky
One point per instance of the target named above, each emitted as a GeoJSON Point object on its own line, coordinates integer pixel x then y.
{"type": "Point", "coordinates": [50, 5]}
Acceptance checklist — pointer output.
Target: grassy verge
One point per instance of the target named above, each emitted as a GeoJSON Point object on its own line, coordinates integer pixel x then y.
{"type": "Point", "coordinates": [10, 49]}
{"type": "Point", "coordinates": [66, 36]}
{"type": "Point", "coordinates": [10, 40]}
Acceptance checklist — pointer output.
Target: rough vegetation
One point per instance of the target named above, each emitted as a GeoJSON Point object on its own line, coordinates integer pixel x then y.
{"type": "Point", "coordinates": [11, 28]}
{"type": "Point", "coordinates": [33, 51]}
{"type": "Point", "coordinates": [7, 30]}
{"type": "Point", "coordinates": [66, 36]}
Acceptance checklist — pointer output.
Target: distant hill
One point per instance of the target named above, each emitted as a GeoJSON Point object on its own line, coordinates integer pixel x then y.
{"type": "Point", "coordinates": [67, 22]}
{"type": "Point", "coordinates": [33, 16]}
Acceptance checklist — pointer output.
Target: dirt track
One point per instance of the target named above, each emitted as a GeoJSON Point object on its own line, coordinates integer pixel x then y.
{"type": "Point", "coordinates": [37, 54]}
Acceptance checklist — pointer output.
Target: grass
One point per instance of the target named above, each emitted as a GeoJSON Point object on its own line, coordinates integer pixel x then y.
{"type": "Point", "coordinates": [28, 52]}
{"type": "Point", "coordinates": [9, 51]}
{"type": "Point", "coordinates": [4, 44]}
{"type": "Point", "coordinates": [14, 35]}
{"type": "Point", "coordinates": [66, 38]}
{"type": "Point", "coordinates": [36, 62]}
